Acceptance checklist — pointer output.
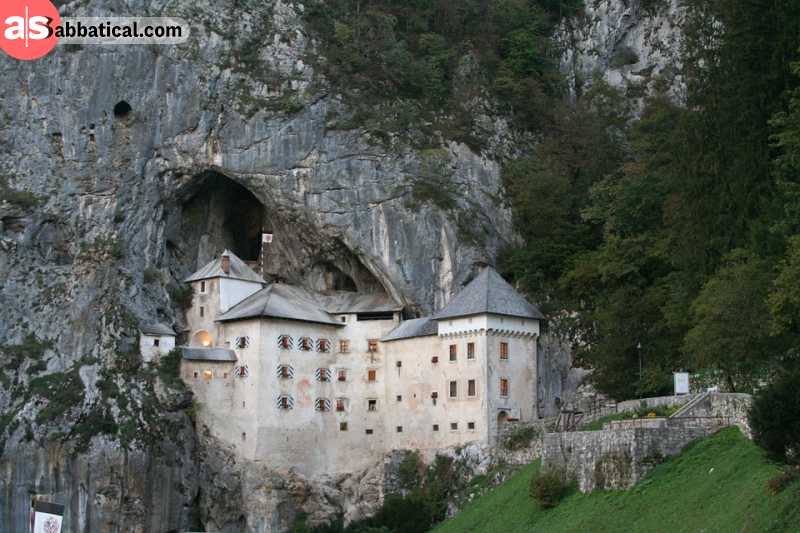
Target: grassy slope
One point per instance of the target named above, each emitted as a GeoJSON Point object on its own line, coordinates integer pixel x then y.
{"type": "Point", "coordinates": [681, 495]}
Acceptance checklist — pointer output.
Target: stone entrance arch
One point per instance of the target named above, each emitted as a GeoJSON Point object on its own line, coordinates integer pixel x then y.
{"type": "Point", "coordinates": [202, 338]}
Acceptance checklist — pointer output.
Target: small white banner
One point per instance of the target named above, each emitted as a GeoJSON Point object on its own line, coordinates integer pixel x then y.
{"type": "Point", "coordinates": [47, 517]}
{"type": "Point", "coordinates": [681, 382]}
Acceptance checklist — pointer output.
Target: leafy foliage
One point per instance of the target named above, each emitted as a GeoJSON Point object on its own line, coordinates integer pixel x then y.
{"type": "Point", "coordinates": [775, 418]}
{"type": "Point", "coordinates": [547, 487]}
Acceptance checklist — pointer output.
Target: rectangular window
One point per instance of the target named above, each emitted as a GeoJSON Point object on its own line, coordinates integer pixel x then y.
{"type": "Point", "coordinates": [225, 375]}
{"type": "Point", "coordinates": [344, 346]}
{"type": "Point", "coordinates": [471, 426]}
{"type": "Point", "coordinates": [340, 405]}
{"type": "Point", "coordinates": [368, 431]}
{"type": "Point", "coordinates": [453, 352]}
{"type": "Point", "coordinates": [372, 405]}
{"type": "Point", "coordinates": [372, 375]}
{"type": "Point", "coordinates": [471, 387]}
{"type": "Point", "coordinates": [208, 374]}
{"type": "Point", "coordinates": [470, 350]}
{"type": "Point", "coordinates": [342, 426]}
{"type": "Point", "coordinates": [343, 318]}
{"type": "Point", "coordinates": [156, 342]}
{"type": "Point", "coordinates": [195, 375]}
{"type": "Point", "coordinates": [372, 345]}
{"type": "Point", "coordinates": [342, 375]}
{"type": "Point", "coordinates": [202, 311]}
{"type": "Point", "coordinates": [435, 359]}
{"type": "Point", "coordinates": [503, 387]}
{"type": "Point", "coordinates": [202, 286]}
{"type": "Point", "coordinates": [399, 429]}
{"type": "Point", "coordinates": [503, 350]}
{"type": "Point", "coordinates": [453, 389]}
{"type": "Point", "coordinates": [399, 398]}
{"type": "Point", "coordinates": [436, 427]}
{"type": "Point", "coordinates": [454, 426]}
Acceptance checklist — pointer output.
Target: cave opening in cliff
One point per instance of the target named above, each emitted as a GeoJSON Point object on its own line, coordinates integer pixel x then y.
{"type": "Point", "coordinates": [220, 214]}
{"type": "Point", "coordinates": [122, 109]}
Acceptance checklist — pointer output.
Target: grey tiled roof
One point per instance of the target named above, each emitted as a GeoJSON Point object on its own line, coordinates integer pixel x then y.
{"type": "Point", "coordinates": [353, 302]}
{"type": "Point", "coordinates": [207, 354]}
{"type": "Point", "coordinates": [238, 270]}
{"type": "Point", "coordinates": [418, 327]}
{"type": "Point", "coordinates": [489, 293]}
{"type": "Point", "coordinates": [279, 300]}
{"type": "Point", "coordinates": [156, 329]}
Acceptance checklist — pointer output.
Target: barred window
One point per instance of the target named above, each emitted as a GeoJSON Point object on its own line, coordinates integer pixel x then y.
{"type": "Point", "coordinates": [285, 372]}
{"type": "Point", "coordinates": [306, 344]}
{"type": "Point", "coordinates": [285, 403]}
{"type": "Point", "coordinates": [344, 346]}
{"type": "Point", "coordinates": [285, 342]}
{"type": "Point", "coordinates": [503, 387]}
{"type": "Point", "coordinates": [503, 350]}
{"type": "Point", "coordinates": [241, 342]}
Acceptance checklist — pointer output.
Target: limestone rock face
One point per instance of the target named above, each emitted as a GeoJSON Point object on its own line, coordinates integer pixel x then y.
{"type": "Point", "coordinates": [124, 168]}
{"type": "Point", "coordinates": [632, 44]}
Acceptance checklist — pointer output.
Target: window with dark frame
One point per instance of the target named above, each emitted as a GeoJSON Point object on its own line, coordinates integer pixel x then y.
{"type": "Point", "coordinates": [372, 405]}
{"type": "Point", "coordinates": [436, 427]}
{"type": "Point", "coordinates": [470, 350]}
{"type": "Point", "coordinates": [342, 426]}
{"type": "Point", "coordinates": [156, 342]}
{"type": "Point", "coordinates": [344, 346]}
{"type": "Point", "coordinates": [503, 387]}
{"type": "Point", "coordinates": [504, 350]}
{"type": "Point", "coordinates": [453, 389]}
{"type": "Point", "coordinates": [202, 286]}
{"type": "Point", "coordinates": [202, 311]}
{"type": "Point", "coordinates": [399, 429]}
{"type": "Point", "coordinates": [453, 426]}
{"type": "Point", "coordinates": [453, 352]}
{"type": "Point", "coordinates": [471, 425]}
{"type": "Point", "coordinates": [368, 431]}
{"type": "Point", "coordinates": [471, 389]}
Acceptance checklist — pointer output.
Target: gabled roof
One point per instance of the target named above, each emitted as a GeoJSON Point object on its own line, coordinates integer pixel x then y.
{"type": "Point", "coordinates": [238, 270]}
{"type": "Point", "coordinates": [156, 329]}
{"type": "Point", "coordinates": [279, 300]}
{"type": "Point", "coordinates": [417, 327]}
{"type": "Point", "coordinates": [489, 293]}
{"type": "Point", "coordinates": [207, 354]}
{"type": "Point", "coordinates": [354, 302]}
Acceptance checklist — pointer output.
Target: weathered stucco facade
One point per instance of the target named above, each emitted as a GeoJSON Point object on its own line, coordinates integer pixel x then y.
{"type": "Point", "coordinates": [328, 384]}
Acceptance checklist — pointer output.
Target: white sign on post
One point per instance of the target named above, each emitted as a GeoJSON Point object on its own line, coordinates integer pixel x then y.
{"type": "Point", "coordinates": [266, 238]}
{"type": "Point", "coordinates": [47, 517]}
{"type": "Point", "coordinates": [681, 382]}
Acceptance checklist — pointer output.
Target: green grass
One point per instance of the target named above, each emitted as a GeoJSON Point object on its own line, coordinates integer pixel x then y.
{"type": "Point", "coordinates": [682, 494]}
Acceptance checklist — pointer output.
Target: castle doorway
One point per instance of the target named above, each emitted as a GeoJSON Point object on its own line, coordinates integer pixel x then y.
{"type": "Point", "coordinates": [202, 338]}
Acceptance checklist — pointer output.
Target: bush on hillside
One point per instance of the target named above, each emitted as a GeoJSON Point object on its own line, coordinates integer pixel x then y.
{"type": "Point", "coordinates": [548, 487]}
{"type": "Point", "coordinates": [775, 418]}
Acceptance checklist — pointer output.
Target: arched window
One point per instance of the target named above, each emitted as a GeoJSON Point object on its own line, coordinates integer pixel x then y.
{"type": "Point", "coordinates": [323, 374]}
{"type": "Point", "coordinates": [285, 342]}
{"type": "Point", "coordinates": [285, 402]}
{"type": "Point", "coordinates": [322, 405]}
{"type": "Point", "coordinates": [306, 344]}
{"type": "Point", "coordinates": [241, 342]}
{"type": "Point", "coordinates": [285, 372]}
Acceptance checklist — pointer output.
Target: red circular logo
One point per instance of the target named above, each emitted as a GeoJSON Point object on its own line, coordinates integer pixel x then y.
{"type": "Point", "coordinates": [27, 28]}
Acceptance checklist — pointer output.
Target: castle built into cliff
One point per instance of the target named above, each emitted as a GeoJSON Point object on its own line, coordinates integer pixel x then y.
{"type": "Point", "coordinates": [330, 382]}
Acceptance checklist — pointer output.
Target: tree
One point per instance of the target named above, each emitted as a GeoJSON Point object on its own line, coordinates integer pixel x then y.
{"type": "Point", "coordinates": [775, 418]}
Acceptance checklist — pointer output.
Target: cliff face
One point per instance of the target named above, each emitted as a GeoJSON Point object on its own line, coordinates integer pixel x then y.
{"type": "Point", "coordinates": [124, 168]}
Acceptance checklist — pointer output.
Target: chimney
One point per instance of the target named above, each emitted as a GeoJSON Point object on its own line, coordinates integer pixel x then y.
{"type": "Point", "coordinates": [226, 264]}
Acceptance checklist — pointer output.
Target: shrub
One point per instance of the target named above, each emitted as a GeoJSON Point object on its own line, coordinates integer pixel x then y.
{"type": "Point", "coordinates": [181, 295]}
{"type": "Point", "coordinates": [409, 470]}
{"type": "Point", "coordinates": [776, 484]}
{"type": "Point", "coordinates": [775, 418]}
{"type": "Point", "coordinates": [519, 437]}
{"type": "Point", "coordinates": [169, 368]}
{"type": "Point", "coordinates": [151, 275]}
{"type": "Point", "coordinates": [547, 487]}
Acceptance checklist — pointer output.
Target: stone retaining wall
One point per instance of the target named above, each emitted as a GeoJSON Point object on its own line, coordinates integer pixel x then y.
{"type": "Point", "coordinates": [624, 452]}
